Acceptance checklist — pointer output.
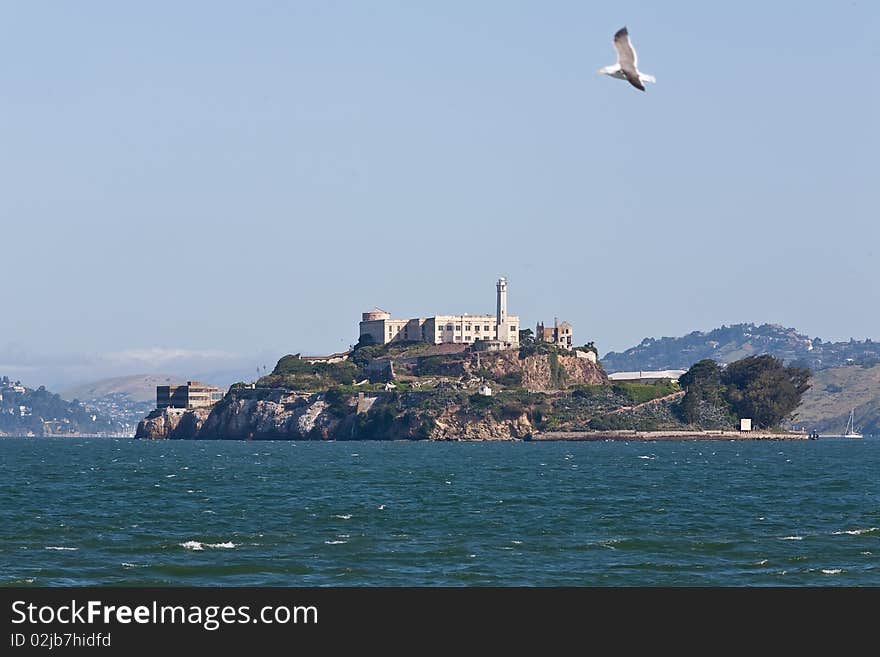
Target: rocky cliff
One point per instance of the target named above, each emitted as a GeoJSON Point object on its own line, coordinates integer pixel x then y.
{"type": "Point", "coordinates": [435, 398]}
{"type": "Point", "coordinates": [459, 426]}
{"type": "Point", "coordinates": [287, 415]}
{"type": "Point", "coordinates": [250, 414]}
{"type": "Point", "coordinates": [172, 423]}
{"type": "Point", "coordinates": [282, 415]}
{"type": "Point", "coordinates": [540, 372]}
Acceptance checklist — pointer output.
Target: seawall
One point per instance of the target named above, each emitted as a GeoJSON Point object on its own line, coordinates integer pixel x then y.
{"type": "Point", "coordinates": [665, 435]}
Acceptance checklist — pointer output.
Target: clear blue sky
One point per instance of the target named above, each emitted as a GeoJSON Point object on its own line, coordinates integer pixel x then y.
{"type": "Point", "coordinates": [246, 178]}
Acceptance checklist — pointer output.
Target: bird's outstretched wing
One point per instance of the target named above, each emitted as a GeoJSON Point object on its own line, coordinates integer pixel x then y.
{"type": "Point", "coordinates": [626, 54]}
{"type": "Point", "coordinates": [633, 80]}
{"type": "Point", "coordinates": [627, 58]}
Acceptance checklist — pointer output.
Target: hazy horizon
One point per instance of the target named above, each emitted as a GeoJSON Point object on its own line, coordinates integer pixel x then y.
{"type": "Point", "coordinates": [210, 186]}
{"type": "Point", "coordinates": [61, 371]}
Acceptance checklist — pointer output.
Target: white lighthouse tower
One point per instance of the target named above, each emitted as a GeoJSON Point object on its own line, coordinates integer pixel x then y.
{"type": "Point", "coordinates": [501, 313]}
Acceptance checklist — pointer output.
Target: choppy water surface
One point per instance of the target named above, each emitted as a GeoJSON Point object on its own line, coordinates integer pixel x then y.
{"type": "Point", "coordinates": [124, 512]}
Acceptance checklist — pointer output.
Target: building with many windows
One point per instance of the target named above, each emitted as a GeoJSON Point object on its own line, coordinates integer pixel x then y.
{"type": "Point", "coordinates": [500, 329]}
{"type": "Point", "coordinates": [192, 395]}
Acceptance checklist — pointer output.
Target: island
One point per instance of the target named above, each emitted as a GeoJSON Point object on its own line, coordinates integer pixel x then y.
{"type": "Point", "coordinates": [479, 377]}
{"type": "Point", "coordinates": [539, 391]}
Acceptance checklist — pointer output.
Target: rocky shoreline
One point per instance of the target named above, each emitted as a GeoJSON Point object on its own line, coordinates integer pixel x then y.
{"type": "Point", "coordinates": [289, 415]}
{"type": "Point", "coordinates": [428, 399]}
{"type": "Point", "coordinates": [460, 396]}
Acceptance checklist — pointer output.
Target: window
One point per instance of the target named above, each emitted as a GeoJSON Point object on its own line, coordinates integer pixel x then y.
{"type": "Point", "coordinates": [477, 328]}
{"type": "Point", "coordinates": [513, 329]}
{"type": "Point", "coordinates": [467, 327]}
{"type": "Point", "coordinates": [449, 327]}
{"type": "Point", "coordinates": [486, 328]}
{"type": "Point", "coordinates": [457, 328]}
{"type": "Point", "coordinates": [467, 338]}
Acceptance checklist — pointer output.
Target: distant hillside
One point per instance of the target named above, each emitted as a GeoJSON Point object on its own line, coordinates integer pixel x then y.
{"type": "Point", "coordinates": [138, 387]}
{"type": "Point", "coordinates": [28, 412]}
{"type": "Point", "coordinates": [838, 390]}
{"type": "Point", "coordinates": [730, 343]}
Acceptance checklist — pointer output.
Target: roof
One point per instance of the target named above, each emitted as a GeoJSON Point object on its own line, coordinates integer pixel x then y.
{"type": "Point", "coordinates": [645, 374]}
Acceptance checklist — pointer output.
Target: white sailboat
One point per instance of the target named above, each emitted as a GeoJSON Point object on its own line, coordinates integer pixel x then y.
{"type": "Point", "coordinates": [850, 431]}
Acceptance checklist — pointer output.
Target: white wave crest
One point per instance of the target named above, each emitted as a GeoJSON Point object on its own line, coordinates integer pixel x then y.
{"type": "Point", "coordinates": [343, 516]}
{"type": "Point", "coordinates": [856, 532]}
{"type": "Point", "coordinates": [58, 547]}
{"type": "Point", "coordinates": [792, 538]}
{"type": "Point", "coordinates": [198, 545]}
{"type": "Point", "coordinates": [335, 542]}
{"type": "Point", "coordinates": [832, 571]}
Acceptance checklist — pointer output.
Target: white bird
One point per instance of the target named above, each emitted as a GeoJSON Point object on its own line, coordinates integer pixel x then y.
{"type": "Point", "coordinates": [626, 67]}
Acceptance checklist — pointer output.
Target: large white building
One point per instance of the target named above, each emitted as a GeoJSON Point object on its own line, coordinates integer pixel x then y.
{"type": "Point", "coordinates": [647, 377]}
{"type": "Point", "coordinates": [499, 328]}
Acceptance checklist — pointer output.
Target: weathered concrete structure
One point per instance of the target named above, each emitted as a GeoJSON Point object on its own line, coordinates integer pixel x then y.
{"type": "Point", "coordinates": [646, 377]}
{"type": "Point", "coordinates": [192, 395]}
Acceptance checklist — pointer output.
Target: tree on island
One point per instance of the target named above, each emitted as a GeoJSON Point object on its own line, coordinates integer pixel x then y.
{"type": "Point", "coordinates": [758, 387]}
{"type": "Point", "coordinates": [702, 383]}
{"type": "Point", "coordinates": [762, 388]}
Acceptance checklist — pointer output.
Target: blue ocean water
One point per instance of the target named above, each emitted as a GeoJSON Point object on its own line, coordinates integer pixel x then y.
{"type": "Point", "coordinates": [125, 512]}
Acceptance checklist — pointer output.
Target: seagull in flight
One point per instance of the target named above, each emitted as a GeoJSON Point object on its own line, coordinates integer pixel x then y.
{"type": "Point", "coordinates": [626, 67]}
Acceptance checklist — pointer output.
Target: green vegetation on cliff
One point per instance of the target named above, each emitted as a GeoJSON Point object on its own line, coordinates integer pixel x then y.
{"type": "Point", "coordinates": [419, 415]}
{"type": "Point", "coordinates": [439, 392]}
{"type": "Point", "coordinates": [644, 407]}
{"type": "Point", "coordinates": [295, 373]}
